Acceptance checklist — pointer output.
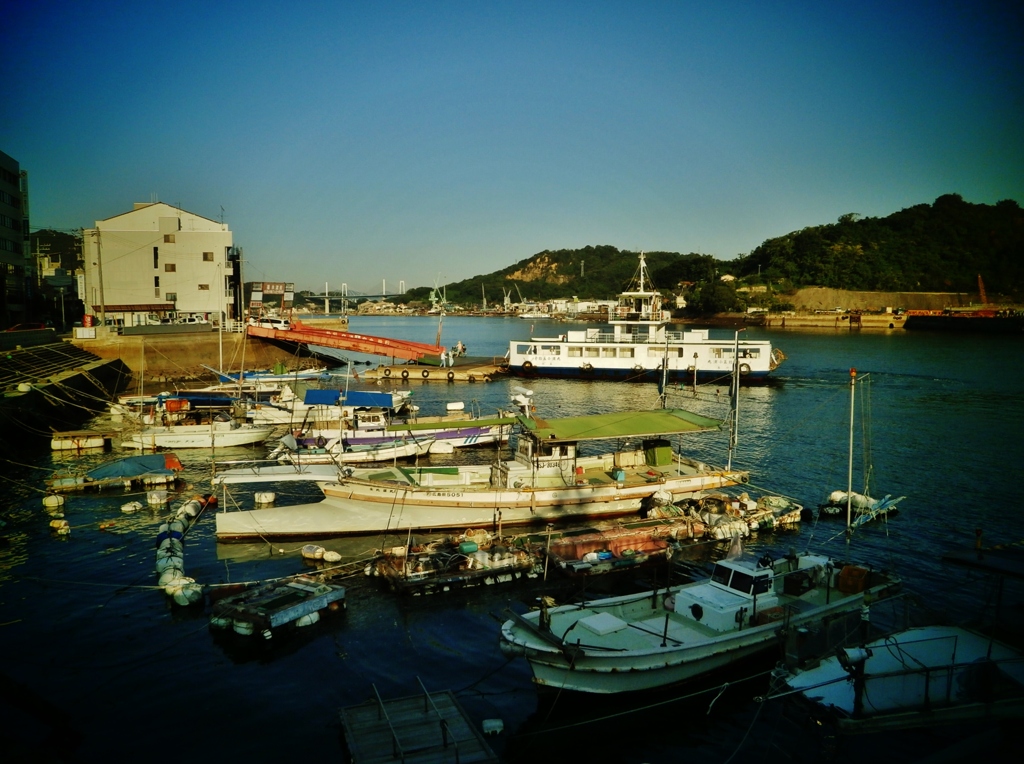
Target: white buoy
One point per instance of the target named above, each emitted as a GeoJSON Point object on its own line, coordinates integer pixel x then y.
{"type": "Point", "coordinates": [309, 619]}
{"type": "Point", "coordinates": [455, 406]}
{"type": "Point", "coordinates": [441, 447]}
{"type": "Point", "coordinates": [188, 594]}
{"type": "Point", "coordinates": [245, 628]}
{"type": "Point", "coordinates": [24, 387]}
{"type": "Point", "coordinates": [331, 556]}
{"type": "Point", "coordinates": [313, 552]}
{"type": "Point", "coordinates": [265, 497]}
{"type": "Point", "coordinates": [220, 621]}
{"type": "Point", "coordinates": [53, 500]}
{"type": "Point", "coordinates": [61, 527]}
{"type": "Point", "coordinates": [131, 506]}
{"type": "Point", "coordinates": [156, 498]}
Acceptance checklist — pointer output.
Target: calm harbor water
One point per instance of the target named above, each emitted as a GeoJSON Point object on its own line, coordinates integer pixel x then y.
{"type": "Point", "coordinates": [96, 665]}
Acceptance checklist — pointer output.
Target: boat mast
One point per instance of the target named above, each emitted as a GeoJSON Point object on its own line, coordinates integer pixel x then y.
{"type": "Point", "coordinates": [849, 466]}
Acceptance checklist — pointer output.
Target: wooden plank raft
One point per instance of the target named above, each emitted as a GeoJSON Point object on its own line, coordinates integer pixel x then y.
{"type": "Point", "coordinates": [430, 728]}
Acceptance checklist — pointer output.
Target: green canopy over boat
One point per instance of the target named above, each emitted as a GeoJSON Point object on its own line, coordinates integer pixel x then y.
{"type": "Point", "coordinates": [622, 424]}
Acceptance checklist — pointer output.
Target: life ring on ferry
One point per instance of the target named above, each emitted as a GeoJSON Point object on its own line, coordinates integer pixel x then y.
{"type": "Point", "coordinates": [425, 373]}
{"type": "Point", "coordinates": [451, 376]}
{"type": "Point", "coordinates": [321, 441]}
{"type": "Point", "coordinates": [638, 369]}
{"type": "Point", "coordinates": [587, 367]}
{"type": "Point", "coordinates": [527, 365]}
{"type": "Point", "coordinates": [405, 373]}
{"type": "Point", "coordinates": [387, 372]}
{"type": "Point", "coordinates": [744, 369]}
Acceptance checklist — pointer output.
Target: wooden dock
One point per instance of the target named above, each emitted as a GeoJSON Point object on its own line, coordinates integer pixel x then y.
{"type": "Point", "coordinates": [430, 728]}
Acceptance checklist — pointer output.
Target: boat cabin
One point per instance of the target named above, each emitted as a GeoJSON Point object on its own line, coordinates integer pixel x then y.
{"type": "Point", "coordinates": [729, 601]}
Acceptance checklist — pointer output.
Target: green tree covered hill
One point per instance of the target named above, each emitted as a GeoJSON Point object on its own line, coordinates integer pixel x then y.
{"type": "Point", "coordinates": [927, 248]}
{"type": "Point", "coordinates": [940, 247]}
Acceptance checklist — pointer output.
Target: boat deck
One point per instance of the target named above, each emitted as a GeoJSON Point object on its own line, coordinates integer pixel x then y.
{"type": "Point", "coordinates": [429, 728]}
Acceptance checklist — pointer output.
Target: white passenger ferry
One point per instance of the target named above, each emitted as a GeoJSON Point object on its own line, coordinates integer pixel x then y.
{"type": "Point", "coordinates": [637, 344]}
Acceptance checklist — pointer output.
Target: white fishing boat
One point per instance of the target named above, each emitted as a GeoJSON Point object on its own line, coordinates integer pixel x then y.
{"type": "Point", "coordinates": [374, 426]}
{"type": "Point", "coordinates": [658, 638]}
{"type": "Point", "coordinates": [920, 677]}
{"type": "Point", "coordinates": [267, 471]}
{"type": "Point", "coordinates": [267, 376]}
{"type": "Point", "coordinates": [324, 408]}
{"type": "Point", "coordinates": [220, 433]}
{"type": "Point", "coordinates": [340, 451]}
{"type": "Point", "coordinates": [549, 479]}
{"type": "Point", "coordinates": [638, 346]}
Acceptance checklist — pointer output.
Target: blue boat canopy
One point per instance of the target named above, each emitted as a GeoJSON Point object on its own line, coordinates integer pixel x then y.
{"type": "Point", "coordinates": [134, 466]}
{"type": "Point", "coordinates": [322, 397]}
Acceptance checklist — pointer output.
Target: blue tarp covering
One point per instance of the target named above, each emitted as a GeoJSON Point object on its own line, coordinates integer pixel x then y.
{"type": "Point", "coordinates": [369, 399]}
{"type": "Point", "coordinates": [131, 466]}
{"type": "Point", "coordinates": [322, 397]}
{"type": "Point", "coordinates": [360, 398]}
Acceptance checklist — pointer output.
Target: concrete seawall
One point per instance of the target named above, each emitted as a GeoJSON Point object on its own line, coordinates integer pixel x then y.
{"type": "Point", "coordinates": [181, 356]}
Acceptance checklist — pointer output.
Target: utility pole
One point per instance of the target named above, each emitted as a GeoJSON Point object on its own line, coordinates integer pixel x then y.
{"type": "Point", "coordinates": [99, 272]}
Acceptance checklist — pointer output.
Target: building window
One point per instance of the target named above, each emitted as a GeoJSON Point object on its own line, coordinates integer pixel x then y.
{"type": "Point", "coordinates": [156, 292]}
{"type": "Point", "coordinates": [156, 257]}
{"type": "Point", "coordinates": [169, 267]}
{"type": "Point", "coordinates": [168, 238]}
{"type": "Point", "coordinates": [204, 287]}
{"type": "Point", "coordinates": [171, 297]}
{"type": "Point", "coordinates": [156, 281]}
{"type": "Point", "coordinates": [207, 257]}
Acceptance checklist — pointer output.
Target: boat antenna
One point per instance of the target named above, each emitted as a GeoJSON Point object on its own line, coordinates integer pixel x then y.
{"type": "Point", "coordinates": [734, 389]}
{"type": "Point", "coordinates": [849, 464]}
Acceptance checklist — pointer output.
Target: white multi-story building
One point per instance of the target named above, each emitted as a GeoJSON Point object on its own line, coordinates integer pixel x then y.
{"type": "Point", "coordinates": [157, 261]}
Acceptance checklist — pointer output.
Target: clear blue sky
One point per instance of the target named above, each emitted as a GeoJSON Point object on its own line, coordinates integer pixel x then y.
{"type": "Point", "coordinates": [411, 141]}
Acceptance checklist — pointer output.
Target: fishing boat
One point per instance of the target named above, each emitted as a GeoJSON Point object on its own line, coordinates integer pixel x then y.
{"type": "Point", "coordinates": [324, 408]}
{"type": "Point", "coordinates": [549, 480]}
{"type": "Point", "coordinates": [638, 346]}
{"type": "Point", "coordinates": [467, 559]}
{"type": "Point", "coordinates": [220, 432]}
{"type": "Point", "coordinates": [919, 677]}
{"type": "Point", "coordinates": [374, 426]}
{"type": "Point", "coordinates": [342, 451]}
{"type": "Point", "coordinates": [858, 508]}
{"type": "Point", "coordinates": [266, 376]}
{"type": "Point", "coordinates": [615, 547]}
{"type": "Point", "coordinates": [145, 470]}
{"type": "Point", "coordinates": [658, 638]}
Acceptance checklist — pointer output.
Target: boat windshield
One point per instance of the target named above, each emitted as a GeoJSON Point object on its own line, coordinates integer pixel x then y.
{"type": "Point", "coordinates": [741, 581]}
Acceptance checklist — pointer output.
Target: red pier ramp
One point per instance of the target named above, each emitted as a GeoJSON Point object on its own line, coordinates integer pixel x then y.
{"type": "Point", "coordinates": [356, 343]}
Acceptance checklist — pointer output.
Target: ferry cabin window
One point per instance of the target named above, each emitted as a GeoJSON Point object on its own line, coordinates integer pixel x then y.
{"type": "Point", "coordinates": [575, 351]}
{"type": "Point", "coordinates": [591, 352]}
{"type": "Point", "coordinates": [551, 349]}
{"type": "Point", "coordinates": [626, 353]}
{"type": "Point", "coordinates": [607, 352]}
{"type": "Point", "coordinates": [762, 584]}
{"type": "Point", "coordinates": [526, 350]}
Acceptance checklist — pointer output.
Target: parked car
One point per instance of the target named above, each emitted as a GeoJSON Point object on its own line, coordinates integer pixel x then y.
{"type": "Point", "coordinates": [271, 323]}
{"type": "Point", "coordinates": [27, 327]}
